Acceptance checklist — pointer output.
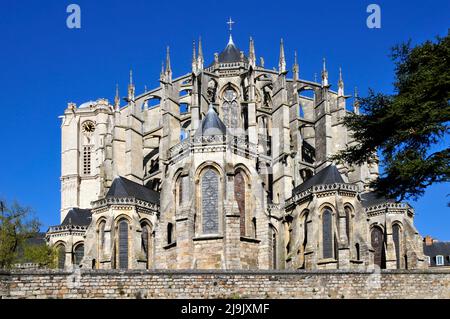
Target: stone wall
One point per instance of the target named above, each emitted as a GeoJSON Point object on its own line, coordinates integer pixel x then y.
{"type": "Point", "coordinates": [223, 284]}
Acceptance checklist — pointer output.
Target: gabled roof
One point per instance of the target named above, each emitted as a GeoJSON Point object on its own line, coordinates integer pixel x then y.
{"type": "Point", "coordinates": [328, 175]}
{"type": "Point", "coordinates": [374, 198]}
{"type": "Point", "coordinates": [78, 216]}
{"type": "Point", "coordinates": [122, 187]}
{"type": "Point", "coordinates": [211, 124]}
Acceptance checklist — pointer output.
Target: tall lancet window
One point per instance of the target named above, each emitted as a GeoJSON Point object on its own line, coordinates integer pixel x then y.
{"type": "Point", "coordinates": [230, 108]}
{"type": "Point", "coordinates": [147, 245]}
{"type": "Point", "coordinates": [377, 241]}
{"type": "Point", "coordinates": [61, 256]}
{"type": "Point", "coordinates": [239, 195]}
{"type": "Point", "coordinates": [210, 200]}
{"type": "Point", "coordinates": [123, 244]}
{"type": "Point", "coordinates": [327, 234]}
{"type": "Point", "coordinates": [78, 254]}
{"type": "Point", "coordinates": [396, 236]}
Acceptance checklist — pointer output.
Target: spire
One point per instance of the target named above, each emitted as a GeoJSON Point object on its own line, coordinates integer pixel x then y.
{"type": "Point", "coordinates": [251, 53]}
{"type": "Point", "coordinates": [324, 74]}
{"type": "Point", "coordinates": [200, 59]}
{"type": "Point", "coordinates": [295, 68]}
{"type": "Point", "coordinates": [282, 62]}
{"type": "Point", "coordinates": [117, 98]}
{"type": "Point", "coordinates": [356, 102]}
{"type": "Point", "coordinates": [131, 88]}
{"type": "Point", "coordinates": [168, 68]}
{"type": "Point", "coordinates": [340, 83]}
{"type": "Point", "coordinates": [194, 57]}
{"type": "Point", "coordinates": [230, 40]}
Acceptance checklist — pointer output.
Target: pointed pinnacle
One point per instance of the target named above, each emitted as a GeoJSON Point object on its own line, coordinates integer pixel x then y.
{"type": "Point", "coordinates": [194, 54]}
{"type": "Point", "coordinates": [168, 59]}
{"type": "Point", "coordinates": [200, 49]}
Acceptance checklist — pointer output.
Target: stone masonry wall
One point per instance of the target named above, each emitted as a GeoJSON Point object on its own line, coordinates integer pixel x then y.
{"type": "Point", "coordinates": [223, 284]}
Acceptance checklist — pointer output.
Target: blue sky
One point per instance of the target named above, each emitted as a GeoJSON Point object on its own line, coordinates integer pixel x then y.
{"type": "Point", "coordinates": [44, 65]}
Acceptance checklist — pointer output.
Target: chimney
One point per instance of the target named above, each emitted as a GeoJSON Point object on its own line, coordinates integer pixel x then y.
{"type": "Point", "coordinates": [428, 240]}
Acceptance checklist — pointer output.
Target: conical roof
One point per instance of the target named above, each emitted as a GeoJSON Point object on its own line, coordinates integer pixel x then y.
{"type": "Point", "coordinates": [231, 53]}
{"type": "Point", "coordinates": [211, 124]}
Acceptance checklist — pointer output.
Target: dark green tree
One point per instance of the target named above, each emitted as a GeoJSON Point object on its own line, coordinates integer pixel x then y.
{"type": "Point", "coordinates": [17, 227]}
{"type": "Point", "coordinates": [409, 128]}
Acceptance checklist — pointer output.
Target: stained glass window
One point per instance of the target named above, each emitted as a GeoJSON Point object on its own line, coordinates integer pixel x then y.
{"type": "Point", "coordinates": [78, 254]}
{"type": "Point", "coordinates": [327, 234]}
{"type": "Point", "coordinates": [210, 198]}
{"type": "Point", "coordinates": [61, 256]}
{"type": "Point", "coordinates": [230, 109]}
{"type": "Point", "coordinates": [377, 240]}
{"type": "Point", "coordinates": [123, 244]}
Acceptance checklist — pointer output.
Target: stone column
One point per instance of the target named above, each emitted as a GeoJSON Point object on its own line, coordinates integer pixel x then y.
{"type": "Point", "coordinates": [232, 224]}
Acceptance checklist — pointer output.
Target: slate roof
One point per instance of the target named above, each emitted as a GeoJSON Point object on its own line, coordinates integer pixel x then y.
{"type": "Point", "coordinates": [374, 198]}
{"type": "Point", "coordinates": [211, 124]}
{"type": "Point", "coordinates": [78, 216]}
{"type": "Point", "coordinates": [435, 249]}
{"type": "Point", "coordinates": [122, 187]}
{"type": "Point", "coordinates": [328, 175]}
{"type": "Point", "coordinates": [231, 54]}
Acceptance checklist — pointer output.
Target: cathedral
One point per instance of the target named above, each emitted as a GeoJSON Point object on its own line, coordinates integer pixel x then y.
{"type": "Point", "coordinates": [226, 167]}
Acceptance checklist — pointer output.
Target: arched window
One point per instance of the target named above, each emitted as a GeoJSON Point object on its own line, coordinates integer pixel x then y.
{"type": "Point", "coordinates": [169, 233]}
{"type": "Point", "coordinates": [254, 227]}
{"type": "Point", "coordinates": [230, 108]}
{"type": "Point", "coordinates": [377, 240]}
{"type": "Point", "coordinates": [61, 249]}
{"type": "Point", "coordinates": [274, 246]}
{"type": "Point", "coordinates": [239, 195]}
{"type": "Point", "coordinates": [78, 254]}
{"type": "Point", "coordinates": [348, 216]}
{"type": "Point", "coordinates": [305, 229]}
{"type": "Point", "coordinates": [327, 234]}
{"type": "Point", "coordinates": [101, 235]}
{"type": "Point", "coordinates": [123, 244]}
{"type": "Point", "coordinates": [396, 236]}
{"type": "Point", "coordinates": [147, 245]}
{"type": "Point", "coordinates": [210, 199]}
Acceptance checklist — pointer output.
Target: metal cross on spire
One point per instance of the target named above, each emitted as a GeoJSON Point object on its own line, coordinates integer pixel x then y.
{"type": "Point", "coordinates": [230, 24]}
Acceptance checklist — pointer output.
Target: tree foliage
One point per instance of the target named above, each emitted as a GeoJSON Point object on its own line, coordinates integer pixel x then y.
{"type": "Point", "coordinates": [17, 227]}
{"type": "Point", "coordinates": [410, 127]}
